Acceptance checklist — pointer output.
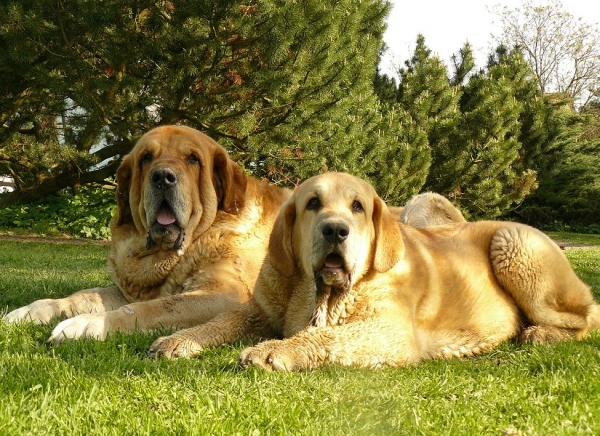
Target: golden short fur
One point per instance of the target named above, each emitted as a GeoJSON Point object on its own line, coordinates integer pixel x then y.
{"type": "Point", "coordinates": [346, 283]}
{"type": "Point", "coordinates": [188, 240]}
{"type": "Point", "coordinates": [430, 209]}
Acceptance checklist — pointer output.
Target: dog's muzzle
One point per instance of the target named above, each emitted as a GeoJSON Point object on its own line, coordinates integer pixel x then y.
{"type": "Point", "coordinates": [333, 273]}
{"type": "Point", "coordinates": [165, 229]}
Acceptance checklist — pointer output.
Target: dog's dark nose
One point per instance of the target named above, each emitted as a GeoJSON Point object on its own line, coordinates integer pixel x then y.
{"type": "Point", "coordinates": [335, 232]}
{"type": "Point", "coordinates": [163, 178]}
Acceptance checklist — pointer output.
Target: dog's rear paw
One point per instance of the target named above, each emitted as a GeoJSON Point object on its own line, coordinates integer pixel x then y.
{"type": "Point", "coordinates": [173, 347]}
{"type": "Point", "coordinates": [269, 357]}
{"type": "Point", "coordinates": [544, 334]}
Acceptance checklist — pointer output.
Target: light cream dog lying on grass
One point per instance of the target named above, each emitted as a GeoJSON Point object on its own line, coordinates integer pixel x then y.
{"type": "Point", "coordinates": [345, 283]}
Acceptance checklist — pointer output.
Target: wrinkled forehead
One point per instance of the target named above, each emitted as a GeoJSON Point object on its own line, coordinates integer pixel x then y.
{"type": "Point", "coordinates": [173, 142]}
{"type": "Point", "coordinates": [332, 188]}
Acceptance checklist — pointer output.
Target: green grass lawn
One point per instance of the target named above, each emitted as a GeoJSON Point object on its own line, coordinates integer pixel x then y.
{"type": "Point", "coordinates": [88, 387]}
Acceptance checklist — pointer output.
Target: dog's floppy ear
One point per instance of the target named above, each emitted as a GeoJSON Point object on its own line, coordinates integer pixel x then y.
{"type": "Point", "coordinates": [230, 182]}
{"type": "Point", "coordinates": [281, 253]}
{"type": "Point", "coordinates": [388, 238]}
{"type": "Point", "coordinates": [123, 183]}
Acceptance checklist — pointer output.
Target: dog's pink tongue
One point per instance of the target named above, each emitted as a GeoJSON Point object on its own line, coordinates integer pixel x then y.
{"type": "Point", "coordinates": [165, 216]}
{"type": "Point", "coordinates": [333, 261]}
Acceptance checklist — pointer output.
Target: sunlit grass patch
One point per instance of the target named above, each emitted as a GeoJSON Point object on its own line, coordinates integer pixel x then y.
{"type": "Point", "coordinates": [90, 387]}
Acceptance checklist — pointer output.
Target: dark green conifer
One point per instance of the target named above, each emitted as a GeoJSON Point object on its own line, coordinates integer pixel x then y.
{"type": "Point", "coordinates": [285, 86]}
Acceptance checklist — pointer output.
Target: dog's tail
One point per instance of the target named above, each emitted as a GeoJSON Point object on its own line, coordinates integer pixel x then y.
{"type": "Point", "coordinates": [594, 317]}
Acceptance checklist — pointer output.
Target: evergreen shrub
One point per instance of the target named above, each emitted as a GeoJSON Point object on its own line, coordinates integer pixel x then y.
{"type": "Point", "coordinates": [85, 213]}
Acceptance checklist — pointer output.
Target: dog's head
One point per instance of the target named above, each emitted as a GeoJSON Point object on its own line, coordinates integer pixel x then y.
{"type": "Point", "coordinates": [335, 228]}
{"type": "Point", "coordinates": [173, 183]}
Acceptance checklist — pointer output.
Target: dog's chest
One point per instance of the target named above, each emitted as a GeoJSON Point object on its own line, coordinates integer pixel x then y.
{"type": "Point", "coordinates": [332, 310]}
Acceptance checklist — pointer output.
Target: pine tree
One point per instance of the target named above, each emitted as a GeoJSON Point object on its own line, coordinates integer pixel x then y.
{"type": "Point", "coordinates": [473, 125]}
{"type": "Point", "coordinates": [464, 64]}
{"type": "Point", "coordinates": [554, 146]}
{"type": "Point", "coordinates": [286, 86]}
{"type": "Point", "coordinates": [483, 172]}
{"type": "Point", "coordinates": [493, 139]}
{"type": "Point", "coordinates": [424, 107]}
{"type": "Point", "coordinates": [386, 89]}
{"type": "Point", "coordinates": [405, 159]}
{"type": "Point", "coordinates": [426, 93]}
{"type": "Point", "coordinates": [569, 185]}
{"type": "Point", "coordinates": [400, 163]}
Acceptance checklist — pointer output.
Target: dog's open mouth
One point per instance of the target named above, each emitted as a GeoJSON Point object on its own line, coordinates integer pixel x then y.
{"type": "Point", "coordinates": [165, 215]}
{"type": "Point", "coordinates": [165, 231]}
{"type": "Point", "coordinates": [334, 261]}
{"type": "Point", "coordinates": [333, 273]}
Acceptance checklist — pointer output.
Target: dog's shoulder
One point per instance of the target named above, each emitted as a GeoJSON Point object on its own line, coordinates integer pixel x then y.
{"type": "Point", "coordinates": [266, 196]}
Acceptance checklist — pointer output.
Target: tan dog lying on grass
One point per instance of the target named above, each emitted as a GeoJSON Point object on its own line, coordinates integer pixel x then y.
{"type": "Point", "coordinates": [345, 283]}
{"type": "Point", "coordinates": [188, 241]}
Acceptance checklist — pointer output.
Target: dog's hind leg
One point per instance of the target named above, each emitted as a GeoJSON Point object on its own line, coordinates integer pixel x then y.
{"type": "Point", "coordinates": [594, 317]}
{"type": "Point", "coordinates": [533, 270]}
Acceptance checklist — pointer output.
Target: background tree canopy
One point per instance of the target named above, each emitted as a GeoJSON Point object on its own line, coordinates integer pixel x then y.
{"type": "Point", "coordinates": [291, 89]}
{"type": "Point", "coordinates": [562, 50]}
{"type": "Point", "coordinates": [285, 86]}
{"type": "Point", "coordinates": [500, 147]}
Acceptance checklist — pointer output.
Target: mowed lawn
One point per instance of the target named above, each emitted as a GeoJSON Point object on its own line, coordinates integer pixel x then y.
{"type": "Point", "coordinates": [87, 387]}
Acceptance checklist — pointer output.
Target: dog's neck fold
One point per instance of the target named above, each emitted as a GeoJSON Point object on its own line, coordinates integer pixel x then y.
{"type": "Point", "coordinates": [330, 305]}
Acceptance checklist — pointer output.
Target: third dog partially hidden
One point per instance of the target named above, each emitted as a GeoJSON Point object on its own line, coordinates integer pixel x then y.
{"type": "Point", "coordinates": [430, 209]}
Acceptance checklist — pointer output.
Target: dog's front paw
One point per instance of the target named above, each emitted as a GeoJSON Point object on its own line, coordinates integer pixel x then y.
{"type": "Point", "coordinates": [173, 347]}
{"type": "Point", "coordinates": [38, 312]}
{"type": "Point", "coordinates": [270, 355]}
{"type": "Point", "coordinates": [87, 325]}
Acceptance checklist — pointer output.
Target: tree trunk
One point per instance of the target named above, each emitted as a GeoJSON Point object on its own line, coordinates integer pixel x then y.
{"type": "Point", "coordinates": [55, 182]}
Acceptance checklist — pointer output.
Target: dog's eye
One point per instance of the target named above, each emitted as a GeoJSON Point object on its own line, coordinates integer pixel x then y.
{"type": "Point", "coordinates": [146, 158]}
{"type": "Point", "coordinates": [313, 204]}
{"type": "Point", "coordinates": [193, 159]}
{"type": "Point", "coordinates": [357, 206]}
